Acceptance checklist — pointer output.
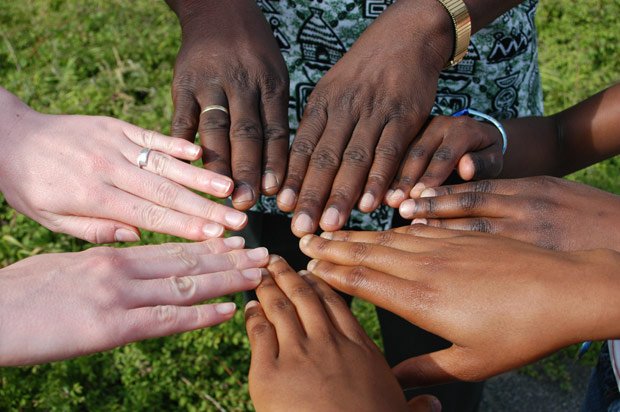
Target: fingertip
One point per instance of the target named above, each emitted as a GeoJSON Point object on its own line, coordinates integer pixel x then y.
{"type": "Point", "coordinates": [126, 235]}
{"type": "Point", "coordinates": [270, 184]}
{"type": "Point", "coordinates": [250, 305]}
{"type": "Point", "coordinates": [466, 167]}
{"type": "Point", "coordinates": [304, 242]}
{"type": "Point", "coordinates": [302, 224]}
{"type": "Point", "coordinates": [407, 208]}
{"type": "Point", "coordinates": [243, 197]}
{"type": "Point", "coordinates": [286, 200]}
{"type": "Point", "coordinates": [331, 219]}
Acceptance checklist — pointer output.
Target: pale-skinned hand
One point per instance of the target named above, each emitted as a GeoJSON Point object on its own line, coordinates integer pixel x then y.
{"type": "Point", "coordinates": [549, 212]}
{"type": "Point", "coordinates": [79, 175]}
{"type": "Point", "coordinates": [309, 353]}
{"type": "Point", "coordinates": [229, 57]}
{"type": "Point", "coordinates": [502, 303]}
{"type": "Point", "coordinates": [64, 305]}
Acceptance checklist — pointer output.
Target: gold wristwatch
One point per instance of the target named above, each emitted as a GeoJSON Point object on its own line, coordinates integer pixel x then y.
{"type": "Point", "coordinates": [462, 29]}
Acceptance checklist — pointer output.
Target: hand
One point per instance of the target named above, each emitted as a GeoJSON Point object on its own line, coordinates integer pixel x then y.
{"type": "Point", "coordinates": [363, 114]}
{"type": "Point", "coordinates": [78, 175]}
{"type": "Point", "coordinates": [501, 302]}
{"type": "Point", "coordinates": [59, 306]}
{"type": "Point", "coordinates": [539, 210]}
{"type": "Point", "coordinates": [473, 148]}
{"type": "Point", "coordinates": [237, 65]}
{"type": "Point", "coordinates": [309, 353]}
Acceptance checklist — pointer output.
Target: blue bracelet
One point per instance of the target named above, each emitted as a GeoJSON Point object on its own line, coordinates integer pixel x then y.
{"type": "Point", "coordinates": [489, 119]}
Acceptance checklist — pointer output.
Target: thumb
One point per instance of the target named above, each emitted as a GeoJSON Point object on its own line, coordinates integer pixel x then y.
{"type": "Point", "coordinates": [431, 369]}
{"type": "Point", "coordinates": [96, 230]}
{"type": "Point", "coordinates": [483, 164]}
{"type": "Point", "coordinates": [424, 403]}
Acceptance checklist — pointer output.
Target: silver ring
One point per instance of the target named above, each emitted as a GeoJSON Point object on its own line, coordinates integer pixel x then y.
{"type": "Point", "coordinates": [214, 107]}
{"type": "Point", "coordinates": [143, 157]}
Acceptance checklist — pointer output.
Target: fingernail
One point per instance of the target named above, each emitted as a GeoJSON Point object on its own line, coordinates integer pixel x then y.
{"type": "Point", "coordinates": [428, 193]}
{"type": "Point", "coordinates": [303, 273]}
{"type": "Point", "coordinates": [367, 201]}
{"type": "Point", "coordinates": [419, 221]}
{"type": "Point", "coordinates": [235, 242]}
{"type": "Point", "coordinates": [407, 208]}
{"type": "Point", "coordinates": [417, 189]}
{"type": "Point", "coordinates": [274, 259]}
{"type": "Point", "coordinates": [331, 217]}
{"type": "Point", "coordinates": [327, 235]}
{"type": "Point", "coordinates": [251, 304]}
{"type": "Point", "coordinates": [252, 274]}
{"type": "Point", "coordinates": [270, 181]}
{"type": "Point", "coordinates": [389, 194]}
{"type": "Point", "coordinates": [258, 254]}
{"type": "Point", "coordinates": [397, 196]}
{"type": "Point", "coordinates": [125, 235]}
{"type": "Point", "coordinates": [225, 308]}
{"type": "Point", "coordinates": [192, 150]}
{"type": "Point", "coordinates": [287, 197]}
{"type": "Point", "coordinates": [435, 405]}
{"type": "Point", "coordinates": [303, 223]}
{"type": "Point", "coordinates": [212, 230]}
{"type": "Point", "coordinates": [235, 219]}
{"type": "Point", "coordinates": [221, 185]}
{"type": "Point", "coordinates": [243, 194]}
{"type": "Point", "coordinates": [312, 265]}
{"type": "Point", "coordinates": [305, 240]}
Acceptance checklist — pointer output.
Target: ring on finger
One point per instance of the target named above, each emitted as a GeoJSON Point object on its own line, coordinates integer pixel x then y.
{"type": "Point", "coordinates": [214, 107]}
{"type": "Point", "coordinates": [143, 157]}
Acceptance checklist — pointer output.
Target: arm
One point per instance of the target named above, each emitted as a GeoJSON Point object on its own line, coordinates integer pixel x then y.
{"type": "Point", "coordinates": [582, 135]}
{"type": "Point", "coordinates": [79, 175]}
{"type": "Point", "coordinates": [502, 303]}
{"type": "Point", "coordinates": [59, 306]}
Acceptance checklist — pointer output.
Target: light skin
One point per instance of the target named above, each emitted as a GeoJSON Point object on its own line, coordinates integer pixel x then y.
{"type": "Point", "coordinates": [445, 282]}
{"type": "Point", "coordinates": [359, 121]}
{"type": "Point", "coordinates": [60, 306]}
{"type": "Point", "coordinates": [309, 352]}
{"type": "Point", "coordinates": [79, 175]}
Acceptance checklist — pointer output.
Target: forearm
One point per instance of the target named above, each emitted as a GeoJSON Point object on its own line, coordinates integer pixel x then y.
{"type": "Point", "coordinates": [580, 136]}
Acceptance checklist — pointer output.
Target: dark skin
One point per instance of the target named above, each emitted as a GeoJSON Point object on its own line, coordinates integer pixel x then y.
{"type": "Point", "coordinates": [445, 282]}
{"type": "Point", "coordinates": [540, 210]}
{"type": "Point", "coordinates": [357, 126]}
{"type": "Point", "coordinates": [309, 353]}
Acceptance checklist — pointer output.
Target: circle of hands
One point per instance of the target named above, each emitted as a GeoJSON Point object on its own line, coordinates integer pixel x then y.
{"type": "Point", "coordinates": [363, 141]}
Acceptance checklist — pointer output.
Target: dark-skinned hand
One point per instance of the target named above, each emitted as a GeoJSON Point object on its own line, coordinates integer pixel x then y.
{"type": "Point", "coordinates": [237, 65]}
{"type": "Point", "coordinates": [309, 353]}
{"type": "Point", "coordinates": [546, 211]}
{"type": "Point", "coordinates": [501, 302]}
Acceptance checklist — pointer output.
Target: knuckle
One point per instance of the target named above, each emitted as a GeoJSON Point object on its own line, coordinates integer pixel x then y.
{"type": "Point", "coordinates": [342, 194]}
{"type": "Point", "coordinates": [332, 299]}
{"type": "Point", "coordinates": [160, 163]}
{"type": "Point", "coordinates": [357, 156]}
{"type": "Point", "coordinates": [482, 225]}
{"type": "Point", "coordinates": [280, 305]}
{"type": "Point", "coordinates": [215, 124]}
{"type": "Point", "coordinates": [302, 147]}
{"type": "Point", "coordinates": [417, 152]}
{"type": "Point", "coordinates": [301, 292]}
{"type": "Point", "coordinates": [325, 158]}
{"type": "Point", "coordinates": [276, 133]}
{"type": "Point", "coordinates": [273, 85]}
{"type": "Point", "coordinates": [406, 181]}
{"type": "Point", "coordinates": [188, 260]}
{"type": "Point", "coordinates": [483, 186]}
{"type": "Point", "coordinates": [246, 129]}
{"type": "Point", "coordinates": [470, 201]}
{"type": "Point", "coordinates": [356, 278]}
{"type": "Point", "coordinates": [166, 314]}
{"type": "Point", "coordinates": [358, 252]}
{"type": "Point", "coordinates": [154, 215]}
{"type": "Point", "coordinates": [385, 238]}
{"type": "Point", "coordinates": [184, 286]}
{"type": "Point", "coordinates": [444, 154]}
{"type": "Point", "coordinates": [259, 327]}
{"type": "Point", "coordinates": [389, 151]}
{"type": "Point", "coordinates": [146, 137]}
{"type": "Point", "coordinates": [166, 194]}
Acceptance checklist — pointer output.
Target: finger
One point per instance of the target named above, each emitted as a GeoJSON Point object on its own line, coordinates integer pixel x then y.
{"type": "Point", "coordinates": [178, 260]}
{"type": "Point", "coordinates": [165, 320]}
{"type": "Point", "coordinates": [483, 164]}
{"type": "Point", "coordinates": [246, 147]}
{"type": "Point", "coordinates": [185, 174]}
{"type": "Point", "coordinates": [338, 311]}
{"type": "Point", "coordinates": [214, 127]}
{"type": "Point", "coordinates": [310, 311]}
{"type": "Point", "coordinates": [167, 194]}
{"type": "Point", "coordinates": [351, 177]}
{"type": "Point", "coordinates": [186, 113]}
{"type": "Point", "coordinates": [433, 368]}
{"type": "Point", "coordinates": [280, 312]}
{"type": "Point", "coordinates": [373, 256]}
{"type": "Point", "coordinates": [310, 130]}
{"type": "Point", "coordinates": [500, 187]}
{"type": "Point", "coordinates": [95, 230]}
{"type": "Point", "coordinates": [388, 156]}
{"type": "Point", "coordinates": [322, 169]}
{"type": "Point", "coordinates": [262, 335]}
{"type": "Point", "coordinates": [188, 290]}
{"type": "Point", "coordinates": [415, 161]}
{"type": "Point", "coordinates": [424, 403]}
{"type": "Point", "coordinates": [458, 205]}
{"type": "Point", "coordinates": [274, 110]}
{"type": "Point", "coordinates": [480, 224]}
{"type": "Point", "coordinates": [387, 238]}
{"type": "Point", "coordinates": [174, 146]}
{"type": "Point", "coordinates": [428, 232]}
{"type": "Point", "coordinates": [207, 247]}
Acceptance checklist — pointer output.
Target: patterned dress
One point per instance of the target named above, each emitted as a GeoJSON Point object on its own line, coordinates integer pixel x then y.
{"type": "Point", "coordinates": [499, 75]}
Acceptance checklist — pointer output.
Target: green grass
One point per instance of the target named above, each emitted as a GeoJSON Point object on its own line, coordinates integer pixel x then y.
{"type": "Point", "coordinates": [115, 58]}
